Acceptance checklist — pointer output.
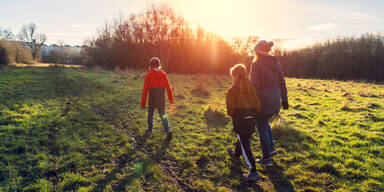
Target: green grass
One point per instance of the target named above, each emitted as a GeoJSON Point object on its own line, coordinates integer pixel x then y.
{"type": "Point", "coordinates": [65, 129]}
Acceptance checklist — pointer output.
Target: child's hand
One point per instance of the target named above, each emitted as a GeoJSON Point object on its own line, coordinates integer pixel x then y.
{"type": "Point", "coordinates": [172, 107]}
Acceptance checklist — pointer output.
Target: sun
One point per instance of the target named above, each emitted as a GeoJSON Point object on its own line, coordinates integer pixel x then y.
{"type": "Point", "coordinates": [234, 18]}
{"type": "Point", "coordinates": [219, 16]}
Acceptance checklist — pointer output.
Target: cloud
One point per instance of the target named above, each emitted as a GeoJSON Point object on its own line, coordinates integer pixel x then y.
{"type": "Point", "coordinates": [77, 26]}
{"type": "Point", "coordinates": [328, 26]}
{"type": "Point", "coordinates": [364, 16]}
{"type": "Point", "coordinates": [60, 34]}
{"type": "Point", "coordinates": [282, 39]}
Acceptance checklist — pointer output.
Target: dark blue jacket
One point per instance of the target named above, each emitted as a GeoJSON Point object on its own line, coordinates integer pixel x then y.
{"type": "Point", "coordinates": [268, 80]}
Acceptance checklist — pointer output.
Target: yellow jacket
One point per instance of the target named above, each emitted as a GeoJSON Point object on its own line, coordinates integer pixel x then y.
{"type": "Point", "coordinates": [242, 95]}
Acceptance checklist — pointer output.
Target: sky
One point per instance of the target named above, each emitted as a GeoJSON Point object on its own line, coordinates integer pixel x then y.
{"type": "Point", "coordinates": [298, 22]}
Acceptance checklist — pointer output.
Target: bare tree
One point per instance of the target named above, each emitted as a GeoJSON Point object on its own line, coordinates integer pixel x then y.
{"type": "Point", "coordinates": [6, 35]}
{"type": "Point", "coordinates": [236, 43]}
{"type": "Point", "coordinates": [250, 44]}
{"type": "Point", "coordinates": [130, 42]}
{"type": "Point", "coordinates": [33, 39]}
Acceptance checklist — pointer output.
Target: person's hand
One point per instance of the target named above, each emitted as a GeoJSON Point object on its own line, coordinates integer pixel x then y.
{"type": "Point", "coordinates": [142, 107]}
{"type": "Point", "coordinates": [285, 105]}
{"type": "Point", "coordinates": [172, 107]}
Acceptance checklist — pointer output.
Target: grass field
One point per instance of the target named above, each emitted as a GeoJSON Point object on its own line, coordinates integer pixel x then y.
{"type": "Point", "coordinates": [65, 129]}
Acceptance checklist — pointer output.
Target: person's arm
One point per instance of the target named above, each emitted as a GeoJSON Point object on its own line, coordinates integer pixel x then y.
{"type": "Point", "coordinates": [256, 100]}
{"type": "Point", "coordinates": [230, 100]}
{"type": "Point", "coordinates": [255, 76]}
{"type": "Point", "coordinates": [283, 88]}
{"type": "Point", "coordinates": [145, 91]}
{"type": "Point", "coordinates": [169, 91]}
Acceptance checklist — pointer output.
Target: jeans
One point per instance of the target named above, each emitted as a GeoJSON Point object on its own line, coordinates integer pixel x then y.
{"type": "Point", "coordinates": [265, 135]}
{"type": "Point", "coordinates": [163, 116]}
{"type": "Point", "coordinates": [270, 136]}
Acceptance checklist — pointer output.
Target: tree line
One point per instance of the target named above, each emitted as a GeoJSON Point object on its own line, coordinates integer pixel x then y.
{"type": "Point", "coordinates": [342, 58]}
{"type": "Point", "coordinates": [131, 42]}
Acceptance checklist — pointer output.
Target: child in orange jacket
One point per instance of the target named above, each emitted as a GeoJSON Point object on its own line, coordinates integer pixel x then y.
{"type": "Point", "coordinates": [156, 82]}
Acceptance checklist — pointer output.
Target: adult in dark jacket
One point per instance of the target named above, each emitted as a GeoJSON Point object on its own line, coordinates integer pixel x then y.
{"type": "Point", "coordinates": [268, 80]}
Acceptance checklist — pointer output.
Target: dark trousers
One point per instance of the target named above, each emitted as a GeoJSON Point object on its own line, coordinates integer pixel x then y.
{"type": "Point", "coordinates": [244, 127]}
{"type": "Point", "coordinates": [163, 116]}
{"type": "Point", "coordinates": [157, 101]}
{"type": "Point", "coordinates": [243, 147]}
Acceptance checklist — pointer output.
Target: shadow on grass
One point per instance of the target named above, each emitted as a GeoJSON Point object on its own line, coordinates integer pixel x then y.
{"type": "Point", "coordinates": [279, 180]}
{"type": "Point", "coordinates": [123, 160]}
{"type": "Point", "coordinates": [275, 175]}
{"type": "Point", "coordinates": [44, 84]}
{"type": "Point", "coordinates": [237, 173]}
{"type": "Point", "coordinates": [215, 118]}
{"type": "Point", "coordinates": [290, 138]}
{"type": "Point", "coordinates": [140, 167]}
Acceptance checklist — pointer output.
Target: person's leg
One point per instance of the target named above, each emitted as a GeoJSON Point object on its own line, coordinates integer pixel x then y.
{"type": "Point", "coordinates": [164, 119]}
{"type": "Point", "coordinates": [270, 136]}
{"type": "Point", "coordinates": [247, 152]}
{"type": "Point", "coordinates": [243, 141]}
{"type": "Point", "coordinates": [151, 110]}
{"type": "Point", "coordinates": [238, 150]}
{"type": "Point", "coordinates": [262, 128]}
{"type": "Point", "coordinates": [235, 156]}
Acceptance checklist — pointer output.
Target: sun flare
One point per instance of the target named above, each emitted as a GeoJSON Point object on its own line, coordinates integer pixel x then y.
{"type": "Point", "coordinates": [230, 18]}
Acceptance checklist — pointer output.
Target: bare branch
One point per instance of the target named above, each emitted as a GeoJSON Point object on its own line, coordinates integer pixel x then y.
{"type": "Point", "coordinates": [34, 40]}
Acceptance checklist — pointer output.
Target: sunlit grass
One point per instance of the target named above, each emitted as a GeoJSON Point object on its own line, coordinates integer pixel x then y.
{"type": "Point", "coordinates": [43, 65]}
{"type": "Point", "coordinates": [70, 129]}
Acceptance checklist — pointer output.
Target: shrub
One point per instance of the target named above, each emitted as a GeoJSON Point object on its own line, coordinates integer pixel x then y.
{"type": "Point", "coordinates": [200, 89]}
{"type": "Point", "coordinates": [3, 56]}
{"type": "Point", "coordinates": [13, 52]}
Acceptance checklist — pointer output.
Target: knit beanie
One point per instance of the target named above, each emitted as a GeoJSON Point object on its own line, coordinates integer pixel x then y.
{"type": "Point", "coordinates": [263, 47]}
{"type": "Point", "coordinates": [154, 62]}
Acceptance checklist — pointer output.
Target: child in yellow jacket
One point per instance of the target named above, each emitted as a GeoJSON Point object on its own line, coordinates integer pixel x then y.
{"type": "Point", "coordinates": [242, 105]}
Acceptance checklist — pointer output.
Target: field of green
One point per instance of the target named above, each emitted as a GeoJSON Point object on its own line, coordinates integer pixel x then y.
{"type": "Point", "coordinates": [68, 129]}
